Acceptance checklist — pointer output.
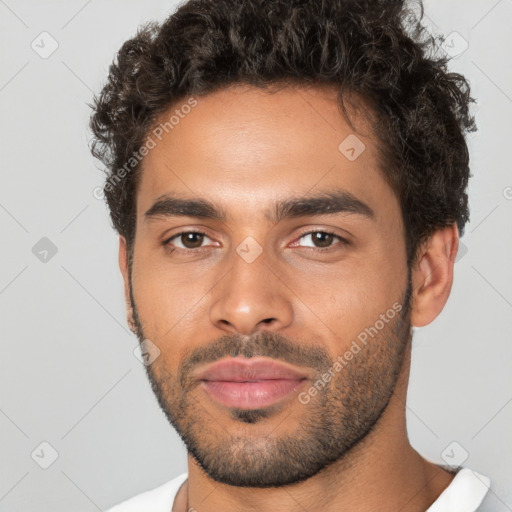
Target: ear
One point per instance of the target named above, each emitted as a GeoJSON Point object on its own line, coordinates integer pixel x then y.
{"type": "Point", "coordinates": [432, 276]}
{"type": "Point", "coordinates": [123, 265]}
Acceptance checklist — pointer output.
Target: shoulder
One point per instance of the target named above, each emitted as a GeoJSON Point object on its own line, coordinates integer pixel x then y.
{"type": "Point", "coordinates": [159, 499]}
{"type": "Point", "coordinates": [465, 493]}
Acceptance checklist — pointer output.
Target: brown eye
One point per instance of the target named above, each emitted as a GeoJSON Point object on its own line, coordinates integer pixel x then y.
{"type": "Point", "coordinates": [319, 239]}
{"type": "Point", "coordinates": [192, 240]}
{"type": "Point", "coordinates": [187, 240]}
{"type": "Point", "coordinates": [322, 239]}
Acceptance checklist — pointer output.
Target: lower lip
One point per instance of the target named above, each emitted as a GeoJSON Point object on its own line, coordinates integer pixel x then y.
{"type": "Point", "coordinates": [250, 395]}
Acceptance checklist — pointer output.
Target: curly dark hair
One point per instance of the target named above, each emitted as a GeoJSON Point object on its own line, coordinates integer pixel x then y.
{"type": "Point", "coordinates": [377, 50]}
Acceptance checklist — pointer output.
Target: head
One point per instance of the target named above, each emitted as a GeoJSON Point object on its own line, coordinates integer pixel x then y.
{"type": "Point", "coordinates": [288, 180]}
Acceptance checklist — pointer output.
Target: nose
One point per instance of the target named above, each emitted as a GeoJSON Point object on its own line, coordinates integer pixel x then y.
{"type": "Point", "coordinates": [251, 297]}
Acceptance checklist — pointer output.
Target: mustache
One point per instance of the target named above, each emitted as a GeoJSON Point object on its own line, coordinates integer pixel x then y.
{"type": "Point", "coordinates": [263, 344]}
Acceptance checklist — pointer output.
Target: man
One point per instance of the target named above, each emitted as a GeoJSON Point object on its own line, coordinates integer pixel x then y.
{"type": "Point", "coordinates": [288, 180]}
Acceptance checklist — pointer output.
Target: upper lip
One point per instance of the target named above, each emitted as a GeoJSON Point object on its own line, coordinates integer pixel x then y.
{"type": "Point", "coordinates": [246, 370]}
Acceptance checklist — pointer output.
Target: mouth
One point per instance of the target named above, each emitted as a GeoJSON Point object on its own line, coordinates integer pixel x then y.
{"type": "Point", "coordinates": [250, 394]}
{"type": "Point", "coordinates": [250, 383]}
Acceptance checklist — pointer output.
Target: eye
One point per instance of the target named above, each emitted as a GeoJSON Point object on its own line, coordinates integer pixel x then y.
{"type": "Point", "coordinates": [192, 241]}
{"type": "Point", "coordinates": [321, 240]}
{"type": "Point", "coordinates": [187, 240]}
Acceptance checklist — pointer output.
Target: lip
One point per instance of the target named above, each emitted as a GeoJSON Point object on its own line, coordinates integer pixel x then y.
{"type": "Point", "coordinates": [250, 383]}
{"type": "Point", "coordinates": [241, 369]}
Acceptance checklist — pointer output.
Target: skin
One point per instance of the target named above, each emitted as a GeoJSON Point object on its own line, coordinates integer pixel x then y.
{"type": "Point", "coordinates": [245, 149]}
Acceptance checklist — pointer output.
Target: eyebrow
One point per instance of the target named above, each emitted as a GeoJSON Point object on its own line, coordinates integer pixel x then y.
{"type": "Point", "coordinates": [332, 202]}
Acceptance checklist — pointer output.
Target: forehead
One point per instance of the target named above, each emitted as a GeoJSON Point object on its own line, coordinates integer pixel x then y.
{"type": "Point", "coordinates": [244, 146]}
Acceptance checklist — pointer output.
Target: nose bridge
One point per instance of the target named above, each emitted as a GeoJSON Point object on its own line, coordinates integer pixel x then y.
{"type": "Point", "coordinates": [251, 295]}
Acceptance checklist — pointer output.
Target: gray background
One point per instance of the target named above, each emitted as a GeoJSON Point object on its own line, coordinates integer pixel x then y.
{"type": "Point", "coordinates": [68, 374]}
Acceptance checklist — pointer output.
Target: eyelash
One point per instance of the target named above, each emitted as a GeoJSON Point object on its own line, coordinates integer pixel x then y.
{"type": "Point", "coordinates": [342, 241]}
{"type": "Point", "coordinates": [198, 250]}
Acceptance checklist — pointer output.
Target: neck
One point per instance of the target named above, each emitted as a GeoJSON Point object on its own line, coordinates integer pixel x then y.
{"type": "Point", "coordinates": [382, 472]}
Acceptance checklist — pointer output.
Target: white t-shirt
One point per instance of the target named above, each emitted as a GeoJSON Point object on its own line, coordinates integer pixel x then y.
{"type": "Point", "coordinates": [464, 494]}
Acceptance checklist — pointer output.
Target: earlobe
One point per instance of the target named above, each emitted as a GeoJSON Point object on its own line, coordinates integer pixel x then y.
{"type": "Point", "coordinates": [123, 266]}
{"type": "Point", "coordinates": [432, 276]}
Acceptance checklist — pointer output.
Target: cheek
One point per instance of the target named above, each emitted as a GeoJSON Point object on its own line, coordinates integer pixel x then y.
{"type": "Point", "coordinates": [167, 299]}
{"type": "Point", "coordinates": [349, 298]}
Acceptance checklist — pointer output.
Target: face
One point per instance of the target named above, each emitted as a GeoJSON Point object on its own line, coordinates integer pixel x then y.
{"type": "Point", "coordinates": [258, 238]}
